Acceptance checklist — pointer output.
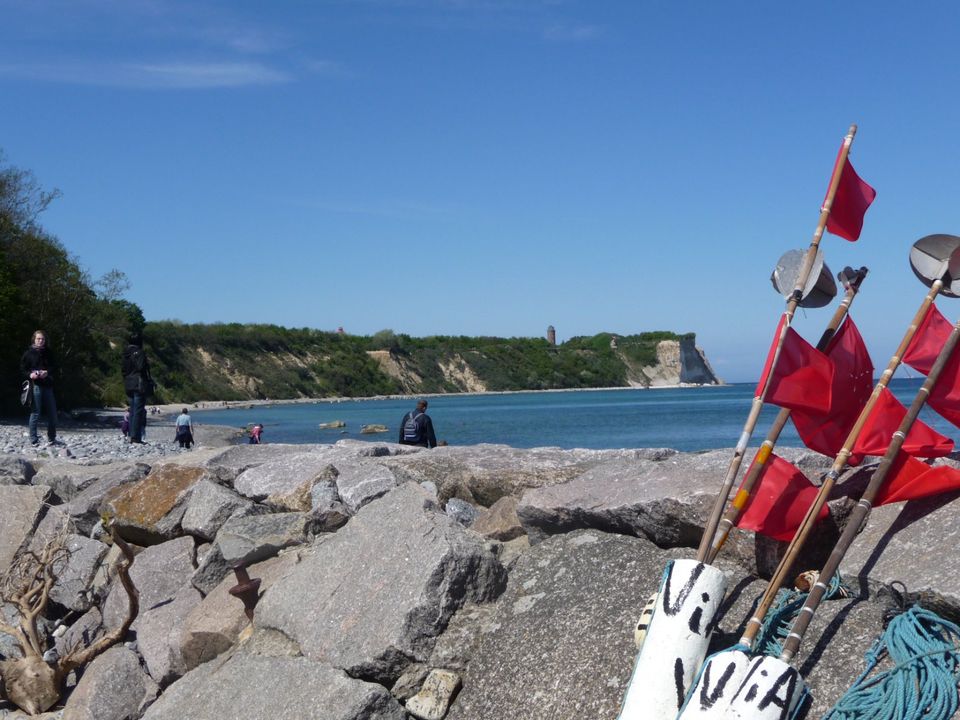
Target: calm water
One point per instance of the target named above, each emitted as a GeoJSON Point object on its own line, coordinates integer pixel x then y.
{"type": "Point", "coordinates": [683, 418]}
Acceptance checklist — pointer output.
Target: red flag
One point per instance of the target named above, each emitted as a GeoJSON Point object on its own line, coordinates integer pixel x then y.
{"type": "Point", "coordinates": [922, 353]}
{"type": "Point", "coordinates": [852, 385]}
{"type": "Point", "coordinates": [911, 479]}
{"type": "Point", "coordinates": [780, 501]}
{"type": "Point", "coordinates": [850, 203]}
{"type": "Point", "coordinates": [885, 418]}
{"type": "Point", "coordinates": [803, 375]}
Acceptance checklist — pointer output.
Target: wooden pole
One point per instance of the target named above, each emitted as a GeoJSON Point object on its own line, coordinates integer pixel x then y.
{"type": "Point", "coordinates": [861, 512]}
{"type": "Point", "coordinates": [796, 296]}
{"type": "Point", "coordinates": [766, 448]}
{"type": "Point", "coordinates": [796, 544]}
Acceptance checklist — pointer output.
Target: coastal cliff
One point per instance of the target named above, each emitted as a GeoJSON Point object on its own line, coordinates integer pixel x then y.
{"type": "Point", "coordinates": [244, 362]}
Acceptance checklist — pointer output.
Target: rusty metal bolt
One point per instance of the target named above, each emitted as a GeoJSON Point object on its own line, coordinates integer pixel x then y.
{"type": "Point", "coordinates": [246, 590]}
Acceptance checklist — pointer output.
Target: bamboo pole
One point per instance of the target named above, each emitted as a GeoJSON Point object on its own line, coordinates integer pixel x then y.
{"type": "Point", "coordinates": [766, 448]}
{"type": "Point", "coordinates": [806, 526]}
{"type": "Point", "coordinates": [796, 296]}
{"type": "Point", "coordinates": [861, 512]}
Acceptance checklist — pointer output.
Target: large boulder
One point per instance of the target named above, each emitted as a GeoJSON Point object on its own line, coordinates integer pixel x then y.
{"type": "Point", "coordinates": [160, 635]}
{"type": "Point", "coordinates": [482, 474]}
{"type": "Point", "coordinates": [67, 480]}
{"type": "Point", "coordinates": [499, 521]}
{"type": "Point", "coordinates": [361, 483]}
{"type": "Point", "coordinates": [372, 597]}
{"type": "Point", "coordinates": [15, 470]}
{"type": "Point", "coordinates": [84, 508]}
{"type": "Point", "coordinates": [113, 687]}
{"type": "Point", "coordinates": [910, 543]}
{"type": "Point", "coordinates": [209, 506]}
{"type": "Point", "coordinates": [20, 508]}
{"type": "Point", "coordinates": [149, 511]}
{"type": "Point", "coordinates": [158, 573]}
{"type": "Point", "coordinates": [265, 688]}
{"type": "Point", "coordinates": [216, 623]}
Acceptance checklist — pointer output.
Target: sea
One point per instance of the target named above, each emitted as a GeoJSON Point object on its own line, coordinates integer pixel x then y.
{"type": "Point", "coordinates": [688, 419]}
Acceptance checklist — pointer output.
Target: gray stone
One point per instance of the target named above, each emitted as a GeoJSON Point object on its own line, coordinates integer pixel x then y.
{"type": "Point", "coordinates": [209, 506]}
{"type": "Point", "coordinates": [158, 573]}
{"type": "Point", "coordinates": [431, 487]}
{"type": "Point", "coordinates": [113, 687]}
{"type": "Point", "coordinates": [373, 596]}
{"type": "Point", "coordinates": [66, 480]}
{"type": "Point", "coordinates": [148, 511]}
{"type": "Point", "coordinates": [433, 700]}
{"type": "Point", "coordinates": [324, 494]}
{"type": "Point", "coordinates": [410, 682]}
{"type": "Point", "coordinates": [74, 586]}
{"type": "Point", "coordinates": [667, 501]}
{"type": "Point", "coordinates": [229, 463]}
{"type": "Point", "coordinates": [361, 483]}
{"type": "Point", "coordinates": [250, 539]}
{"type": "Point", "coordinates": [87, 628]}
{"type": "Point", "coordinates": [560, 644]}
{"type": "Point", "coordinates": [20, 507]}
{"type": "Point", "coordinates": [257, 537]}
{"type": "Point", "coordinates": [16, 470]}
{"type": "Point", "coordinates": [283, 475]}
{"type": "Point", "coordinates": [911, 543]}
{"type": "Point", "coordinates": [84, 508]}
{"type": "Point", "coordinates": [297, 688]}
{"type": "Point", "coordinates": [500, 521]}
{"type": "Point", "coordinates": [482, 474]}
{"type": "Point", "coordinates": [456, 645]}
{"type": "Point", "coordinates": [215, 624]}
{"type": "Point", "coordinates": [461, 511]}
{"type": "Point", "coordinates": [160, 636]}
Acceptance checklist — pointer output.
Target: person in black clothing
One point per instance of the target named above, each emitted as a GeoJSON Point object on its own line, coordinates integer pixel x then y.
{"type": "Point", "coordinates": [138, 385]}
{"type": "Point", "coordinates": [416, 428]}
{"type": "Point", "coordinates": [37, 367]}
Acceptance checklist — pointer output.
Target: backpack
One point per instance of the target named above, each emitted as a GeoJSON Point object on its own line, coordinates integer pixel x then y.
{"type": "Point", "coordinates": [412, 428]}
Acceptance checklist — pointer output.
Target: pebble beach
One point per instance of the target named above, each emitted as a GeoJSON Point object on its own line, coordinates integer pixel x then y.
{"type": "Point", "coordinates": [94, 437]}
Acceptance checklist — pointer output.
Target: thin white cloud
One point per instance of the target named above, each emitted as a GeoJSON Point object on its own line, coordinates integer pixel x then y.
{"type": "Point", "coordinates": [161, 75]}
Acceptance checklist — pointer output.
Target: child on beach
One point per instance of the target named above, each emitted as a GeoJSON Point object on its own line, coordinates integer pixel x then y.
{"type": "Point", "coordinates": [255, 432]}
{"type": "Point", "coordinates": [125, 423]}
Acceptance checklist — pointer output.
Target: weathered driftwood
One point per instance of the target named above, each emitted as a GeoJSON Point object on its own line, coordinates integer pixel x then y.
{"type": "Point", "coordinates": [31, 682]}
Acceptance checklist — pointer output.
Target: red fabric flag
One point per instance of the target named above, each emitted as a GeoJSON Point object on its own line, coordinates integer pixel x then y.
{"type": "Point", "coordinates": [780, 501]}
{"type": "Point", "coordinates": [911, 479]}
{"type": "Point", "coordinates": [850, 203]}
{"type": "Point", "coordinates": [802, 378]}
{"type": "Point", "coordinates": [922, 353]}
{"type": "Point", "coordinates": [885, 418]}
{"type": "Point", "coordinates": [852, 385]}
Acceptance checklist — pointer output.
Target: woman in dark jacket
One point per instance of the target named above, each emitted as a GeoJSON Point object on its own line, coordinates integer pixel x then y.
{"type": "Point", "coordinates": [37, 367]}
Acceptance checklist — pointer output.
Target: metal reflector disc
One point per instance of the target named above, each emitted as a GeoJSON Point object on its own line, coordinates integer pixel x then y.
{"type": "Point", "coordinates": [820, 288]}
{"type": "Point", "coordinates": [938, 256]}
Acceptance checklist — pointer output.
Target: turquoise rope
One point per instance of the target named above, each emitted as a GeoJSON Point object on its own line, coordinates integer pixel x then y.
{"type": "Point", "coordinates": [779, 619]}
{"type": "Point", "coordinates": [925, 652]}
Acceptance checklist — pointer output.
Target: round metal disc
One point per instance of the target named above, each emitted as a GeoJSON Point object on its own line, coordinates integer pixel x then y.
{"type": "Point", "coordinates": [820, 287]}
{"type": "Point", "coordinates": [938, 257]}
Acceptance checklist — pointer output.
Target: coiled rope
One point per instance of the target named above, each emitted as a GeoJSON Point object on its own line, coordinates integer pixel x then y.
{"type": "Point", "coordinates": [925, 652]}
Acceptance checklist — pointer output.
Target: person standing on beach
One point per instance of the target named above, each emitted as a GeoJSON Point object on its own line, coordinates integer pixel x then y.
{"type": "Point", "coordinates": [416, 428]}
{"type": "Point", "coordinates": [184, 430]}
{"type": "Point", "coordinates": [138, 385]}
{"type": "Point", "coordinates": [37, 367]}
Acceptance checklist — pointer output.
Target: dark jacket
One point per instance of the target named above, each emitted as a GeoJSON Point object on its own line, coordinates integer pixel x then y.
{"type": "Point", "coordinates": [37, 359]}
{"type": "Point", "coordinates": [425, 435]}
{"type": "Point", "coordinates": [136, 371]}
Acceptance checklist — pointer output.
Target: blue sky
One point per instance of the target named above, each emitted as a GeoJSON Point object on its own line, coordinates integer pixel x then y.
{"type": "Point", "coordinates": [485, 167]}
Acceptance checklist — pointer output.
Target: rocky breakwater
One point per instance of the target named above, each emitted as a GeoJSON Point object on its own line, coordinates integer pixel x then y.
{"type": "Point", "coordinates": [462, 582]}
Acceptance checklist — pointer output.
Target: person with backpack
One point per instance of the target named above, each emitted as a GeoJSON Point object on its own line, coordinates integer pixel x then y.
{"type": "Point", "coordinates": [416, 428]}
{"type": "Point", "coordinates": [138, 385]}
